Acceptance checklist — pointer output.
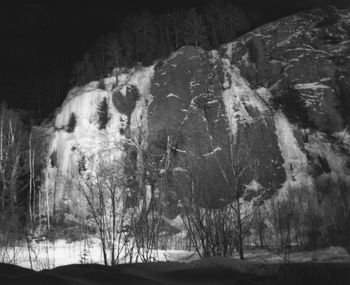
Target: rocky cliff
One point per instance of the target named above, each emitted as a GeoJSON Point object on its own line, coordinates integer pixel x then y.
{"type": "Point", "coordinates": [276, 100]}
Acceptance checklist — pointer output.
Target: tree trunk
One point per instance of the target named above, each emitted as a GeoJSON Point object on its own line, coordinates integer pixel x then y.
{"type": "Point", "coordinates": [47, 209]}
{"type": "Point", "coordinates": [240, 232]}
{"type": "Point", "coordinates": [30, 179]}
{"type": "Point", "coordinates": [2, 159]}
{"type": "Point", "coordinates": [13, 185]}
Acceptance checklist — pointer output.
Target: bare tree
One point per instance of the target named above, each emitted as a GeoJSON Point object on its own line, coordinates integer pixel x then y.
{"type": "Point", "coordinates": [122, 189]}
{"type": "Point", "coordinates": [146, 219]}
{"type": "Point", "coordinates": [223, 172]}
{"type": "Point", "coordinates": [259, 224]}
{"type": "Point", "coordinates": [12, 172]}
{"type": "Point", "coordinates": [240, 163]}
{"type": "Point", "coordinates": [284, 217]}
{"type": "Point", "coordinates": [103, 185]}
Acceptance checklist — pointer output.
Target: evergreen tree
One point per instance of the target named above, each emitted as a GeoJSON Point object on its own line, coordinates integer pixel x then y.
{"type": "Point", "coordinates": [164, 46]}
{"type": "Point", "coordinates": [99, 56]}
{"type": "Point", "coordinates": [72, 122]}
{"type": "Point", "coordinates": [225, 21]}
{"type": "Point", "coordinates": [103, 114]}
{"type": "Point", "coordinates": [83, 71]}
{"type": "Point", "coordinates": [77, 72]}
{"type": "Point", "coordinates": [213, 16]}
{"type": "Point", "coordinates": [145, 37]}
{"type": "Point", "coordinates": [236, 22]}
{"type": "Point", "coordinates": [177, 27]}
{"type": "Point", "coordinates": [128, 41]}
{"type": "Point", "coordinates": [113, 51]}
{"type": "Point", "coordinates": [195, 30]}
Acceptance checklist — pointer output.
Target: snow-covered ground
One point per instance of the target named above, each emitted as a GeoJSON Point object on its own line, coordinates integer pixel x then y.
{"type": "Point", "coordinates": [46, 255]}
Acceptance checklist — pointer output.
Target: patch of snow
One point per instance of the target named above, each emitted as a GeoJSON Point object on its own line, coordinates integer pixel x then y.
{"type": "Point", "coordinates": [264, 94]}
{"type": "Point", "coordinates": [214, 56]}
{"type": "Point", "coordinates": [212, 152]}
{"type": "Point", "coordinates": [245, 58]}
{"type": "Point", "coordinates": [325, 79]}
{"type": "Point", "coordinates": [177, 222]}
{"type": "Point", "coordinates": [229, 49]}
{"type": "Point", "coordinates": [311, 85]}
{"type": "Point", "coordinates": [179, 169]}
{"type": "Point", "coordinates": [254, 185]}
{"type": "Point", "coordinates": [287, 41]}
{"type": "Point", "coordinates": [193, 83]}
{"type": "Point", "coordinates": [309, 48]}
{"type": "Point", "coordinates": [212, 102]}
{"type": "Point", "coordinates": [175, 54]}
{"type": "Point", "coordinates": [180, 150]}
{"type": "Point", "coordinates": [173, 95]}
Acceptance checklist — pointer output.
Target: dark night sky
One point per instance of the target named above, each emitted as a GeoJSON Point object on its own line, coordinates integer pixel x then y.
{"type": "Point", "coordinates": [38, 36]}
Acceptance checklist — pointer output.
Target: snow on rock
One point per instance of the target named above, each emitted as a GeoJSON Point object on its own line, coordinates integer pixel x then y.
{"type": "Point", "coordinates": [295, 161]}
{"type": "Point", "coordinates": [179, 169]}
{"type": "Point", "coordinates": [171, 95]}
{"type": "Point", "coordinates": [139, 117]}
{"type": "Point", "coordinates": [254, 185]}
{"type": "Point", "coordinates": [237, 86]}
{"type": "Point", "coordinates": [312, 85]}
{"type": "Point", "coordinates": [289, 39]}
{"type": "Point", "coordinates": [87, 138]}
{"type": "Point", "coordinates": [318, 146]}
{"type": "Point", "coordinates": [264, 94]}
{"type": "Point", "coordinates": [212, 152]}
{"type": "Point", "coordinates": [238, 97]}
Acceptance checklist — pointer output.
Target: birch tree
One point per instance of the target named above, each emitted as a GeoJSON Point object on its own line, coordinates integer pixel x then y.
{"type": "Point", "coordinates": [103, 186]}
{"type": "Point", "coordinates": [13, 170]}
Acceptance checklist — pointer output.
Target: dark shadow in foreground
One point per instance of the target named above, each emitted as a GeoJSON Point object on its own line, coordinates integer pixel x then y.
{"type": "Point", "coordinates": [208, 271]}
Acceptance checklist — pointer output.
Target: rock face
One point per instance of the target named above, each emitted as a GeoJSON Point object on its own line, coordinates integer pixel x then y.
{"type": "Point", "coordinates": [304, 57]}
{"type": "Point", "coordinates": [276, 101]}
